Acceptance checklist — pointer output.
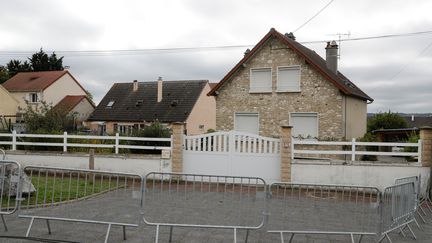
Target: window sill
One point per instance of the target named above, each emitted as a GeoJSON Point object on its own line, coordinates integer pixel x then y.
{"type": "Point", "coordinates": [288, 91]}
{"type": "Point", "coordinates": [260, 92]}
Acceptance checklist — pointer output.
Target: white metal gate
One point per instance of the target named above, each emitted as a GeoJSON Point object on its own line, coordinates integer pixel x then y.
{"type": "Point", "coordinates": [232, 153]}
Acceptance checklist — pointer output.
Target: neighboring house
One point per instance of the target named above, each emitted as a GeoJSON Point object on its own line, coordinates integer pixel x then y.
{"type": "Point", "coordinates": [129, 106]}
{"type": "Point", "coordinates": [281, 82]}
{"type": "Point", "coordinates": [77, 107]}
{"type": "Point", "coordinates": [414, 123]}
{"type": "Point", "coordinates": [50, 87]}
{"type": "Point", "coordinates": [8, 109]}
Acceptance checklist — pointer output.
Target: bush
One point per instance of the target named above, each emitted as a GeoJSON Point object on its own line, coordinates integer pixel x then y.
{"type": "Point", "coordinates": [386, 120]}
{"type": "Point", "coordinates": [369, 137]}
{"type": "Point", "coordinates": [155, 130]}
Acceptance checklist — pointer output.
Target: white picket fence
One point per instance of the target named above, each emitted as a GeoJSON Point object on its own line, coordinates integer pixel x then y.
{"type": "Point", "coordinates": [16, 137]}
{"type": "Point", "coordinates": [232, 141]}
{"type": "Point", "coordinates": [354, 151]}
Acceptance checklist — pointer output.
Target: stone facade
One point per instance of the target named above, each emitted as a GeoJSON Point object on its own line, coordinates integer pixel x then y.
{"type": "Point", "coordinates": [426, 153]}
{"type": "Point", "coordinates": [177, 147]}
{"type": "Point", "coordinates": [286, 150]}
{"type": "Point", "coordinates": [317, 95]}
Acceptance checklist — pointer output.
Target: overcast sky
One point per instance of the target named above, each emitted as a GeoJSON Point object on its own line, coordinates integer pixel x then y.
{"type": "Point", "coordinates": [117, 25]}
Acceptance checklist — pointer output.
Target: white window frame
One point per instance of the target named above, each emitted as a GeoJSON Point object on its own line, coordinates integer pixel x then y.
{"type": "Point", "coordinates": [317, 122]}
{"type": "Point", "coordinates": [288, 90]}
{"type": "Point", "coordinates": [30, 97]}
{"type": "Point", "coordinates": [271, 80]}
{"type": "Point", "coordinates": [247, 113]}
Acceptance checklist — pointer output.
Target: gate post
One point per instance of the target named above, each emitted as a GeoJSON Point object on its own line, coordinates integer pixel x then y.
{"type": "Point", "coordinates": [426, 147]}
{"type": "Point", "coordinates": [177, 147]}
{"type": "Point", "coordinates": [286, 153]}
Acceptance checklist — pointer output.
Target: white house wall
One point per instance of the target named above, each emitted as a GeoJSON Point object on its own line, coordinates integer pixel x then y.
{"type": "Point", "coordinates": [59, 89]}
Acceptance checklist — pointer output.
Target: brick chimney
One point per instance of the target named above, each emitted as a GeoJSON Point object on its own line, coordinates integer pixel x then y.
{"type": "Point", "coordinates": [159, 89]}
{"type": "Point", "coordinates": [135, 85]}
{"type": "Point", "coordinates": [332, 56]}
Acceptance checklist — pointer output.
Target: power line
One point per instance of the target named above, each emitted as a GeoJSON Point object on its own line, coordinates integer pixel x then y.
{"type": "Point", "coordinates": [305, 23]}
{"type": "Point", "coordinates": [408, 64]}
{"type": "Point", "coordinates": [77, 53]}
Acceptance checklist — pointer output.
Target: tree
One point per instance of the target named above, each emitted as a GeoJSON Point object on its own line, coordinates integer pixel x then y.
{"type": "Point", "coordinates": [4, 75]}
{"type": "Point", "coordinates": [40, 61]}
{"type": "Point", "coordinates": [386, 120]}
{"type": "Point", "coordinates": [15, 66]}
{"type": "Point", "coordinates": [43, 119]}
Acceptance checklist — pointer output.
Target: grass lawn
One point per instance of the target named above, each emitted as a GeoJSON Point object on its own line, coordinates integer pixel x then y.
{"type": "Point", "coordinates": [54, 189]}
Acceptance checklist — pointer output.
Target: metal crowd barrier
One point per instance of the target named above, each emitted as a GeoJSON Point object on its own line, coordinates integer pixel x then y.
{"type": "Point", "coordinates": [398, 206]}
{"type": "Point", "coordinates": [10, 188]}
{"type": "Point", "coordinates": [80, 195]}
{"type": "Point", "coordinates": [203, 201]}
{"type": "Point", "coordinates": [309, 209]}
{"type": "Point", "coordinates": [417, 186]}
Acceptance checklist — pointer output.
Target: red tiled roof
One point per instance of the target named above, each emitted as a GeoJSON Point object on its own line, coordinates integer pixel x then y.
{"type": "Point", "coordinates": [69, 102]}
{"type": "Point", "coordinates": [337, 79]}
{"type": "Point", "coordinates": [34, 81]}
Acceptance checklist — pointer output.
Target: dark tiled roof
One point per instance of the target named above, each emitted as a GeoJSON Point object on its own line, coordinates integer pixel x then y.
{"type": "Point", "coordinates": [419, 121]}
{"type": "Point", "coordinates": [69, 102]}
{"type": "Point", "coordinates": [32, 81]}
{"type": "Point", "coordinates": [178, 99]}
{"type": "Point", "coordinates": [311, 57]}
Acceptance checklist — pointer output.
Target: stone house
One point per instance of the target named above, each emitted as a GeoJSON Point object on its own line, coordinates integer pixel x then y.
{"type": "Point", "coordinates": [281, 82]}
{"type": "Point", "coordinates": [130, 106]}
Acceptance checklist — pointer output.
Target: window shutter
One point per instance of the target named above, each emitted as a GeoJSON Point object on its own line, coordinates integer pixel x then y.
{"type": "Point", "coordinates": [261, 80]}
{"type": "Point", "coordinates": [304, 125]}
{"type": "Point", "coordinates": [288, 79]}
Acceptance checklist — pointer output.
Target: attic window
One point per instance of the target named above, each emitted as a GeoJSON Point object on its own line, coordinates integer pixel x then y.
{"type": "Point", "coordinates": [110, 104]}
{"type": "Point", "coordinates": [139, 102]}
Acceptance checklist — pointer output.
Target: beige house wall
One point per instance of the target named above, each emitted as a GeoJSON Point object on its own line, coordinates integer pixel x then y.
{"type": "Point", "coordinates": [8, 104]}
{"type": "Point", "coordinates": [356, 117]}
{"type": "Point", "coordinates": [317, 95]}
{"type": "Point", "coordinates": [203, 113]}
{"type": "Point", "coordinates": [21, 98]}
{"type": "Point", "coordinates": [82, 110]}
{"type": "Point", "coordinates": [65, 85]}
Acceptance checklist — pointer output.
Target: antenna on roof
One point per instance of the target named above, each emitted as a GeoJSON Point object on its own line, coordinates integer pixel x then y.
{"type": "Point", "coordinates": [339, 35]}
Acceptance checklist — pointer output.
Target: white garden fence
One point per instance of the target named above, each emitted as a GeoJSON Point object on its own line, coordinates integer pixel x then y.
{"type": "Point", "coordinates": [16, 140]}
{"type": "Point", "coordinates": [354, 148]}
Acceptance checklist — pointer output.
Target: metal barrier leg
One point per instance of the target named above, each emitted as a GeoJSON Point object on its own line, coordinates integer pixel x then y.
{"type": "Point", "coordinates": [282, 239]}
{"type": "Point", "coordinates": [157, 234]}
{"type": "Point", "coordinates": [170, 236]}
{"type": "Point", "coordinates": [235, 235]}
{"type": "Point", "coordinates": [29, 228]}
{"type": "Point", "coordinates": [124, 232]}
{"type": "Point", "coordinates": [352, 238]}
{"type": "Point", "coordinates": [4, 222]}
{"type": "Point", "coordinates": [107, 233]}
{"type": "Point", "coordinates": [48, 226]}
{"type": "Point", "coordinates": [415, 221]}
{"type": "Point", "coordinates": [422, 210]}
{"type": "Point", "coordinates": [247, 236]}
{"type": "Point", "coordinates": [401, 231]}
{"type": "Point", "coordinates": [412, 232]}
{"type": "Point", "coordinates": [291, 238]}
{"type": "Point", "coordinates": [360, 239]}
{"type": "Point", "coordinates": [421, 216]}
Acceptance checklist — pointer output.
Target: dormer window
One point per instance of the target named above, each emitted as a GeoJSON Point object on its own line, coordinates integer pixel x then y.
{"type": "Point", "coordinates": [110, 104]}
{"type": "Point", "coordinates": [139, 103]}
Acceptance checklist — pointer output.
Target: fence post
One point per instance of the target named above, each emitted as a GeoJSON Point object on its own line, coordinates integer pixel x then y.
{"type": "Point", "coordinates": [426, 147]}
{"type": "Point", "coordinates": [286, 154]}
{"type": "Point", "coordinates": [65, 142]}
{"type": "Point", "coordinates": [353, 149]}
{"type": "Point", "coordinates": [177, 147]}
{"type": "Point", "coordinates": [14, 140]}
{"type": "Point", "coordinates": [116, 143]}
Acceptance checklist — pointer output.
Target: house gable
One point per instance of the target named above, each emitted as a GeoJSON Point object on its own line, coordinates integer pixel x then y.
{"type": "Point", "coordinates": [317, 95]}
{"type": "Point", "coordinates": [309, 57]}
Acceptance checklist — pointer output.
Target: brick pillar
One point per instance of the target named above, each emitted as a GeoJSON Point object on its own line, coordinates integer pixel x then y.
{"type": "Point", "coordinates": [426, 153]}
{"type": "Point", "coordinates": [286, 140]}
{"type": "Point", "coordinates": [177, 147]}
